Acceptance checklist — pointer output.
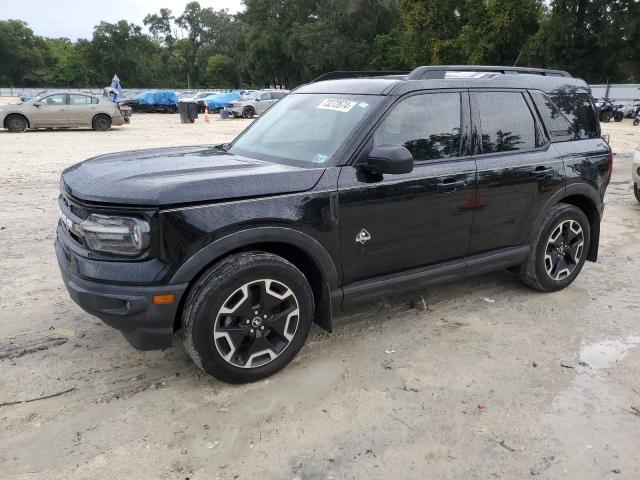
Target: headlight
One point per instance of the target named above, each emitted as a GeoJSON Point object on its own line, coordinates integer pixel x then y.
{"type": "Point", "coordinates": [120, 235]}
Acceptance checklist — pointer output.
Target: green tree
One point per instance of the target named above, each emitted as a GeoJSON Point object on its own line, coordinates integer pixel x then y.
{"type": "Point", "coordinates": [222, 71]}
{"type": "Point", "coordinates": [24, 55]}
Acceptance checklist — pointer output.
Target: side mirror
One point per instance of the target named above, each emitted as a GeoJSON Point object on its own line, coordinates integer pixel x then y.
{"type": "Point", "coordinates": [391, 159]}
{"type": "Point", "coordinates": [37, 104]}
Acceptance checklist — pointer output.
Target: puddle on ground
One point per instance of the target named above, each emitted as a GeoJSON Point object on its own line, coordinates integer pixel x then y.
{"type": "Point", "coordinates": [591, 431]}
{"type": "Point", "coordinates": [605, 354]}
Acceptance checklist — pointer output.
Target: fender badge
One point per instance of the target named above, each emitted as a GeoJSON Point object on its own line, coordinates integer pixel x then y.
{"type": "Point", "coordinates": [363, 237]}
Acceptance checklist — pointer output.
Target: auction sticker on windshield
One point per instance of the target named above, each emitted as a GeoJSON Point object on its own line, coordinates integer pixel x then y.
{"type": "Point", "coordinates": [337, 104]}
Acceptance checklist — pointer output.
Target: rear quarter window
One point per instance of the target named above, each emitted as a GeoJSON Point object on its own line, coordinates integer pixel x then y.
{"type": "Point", "coordinates": [578, 110]}
{"type": "Point", "coordinates": [555, 123]}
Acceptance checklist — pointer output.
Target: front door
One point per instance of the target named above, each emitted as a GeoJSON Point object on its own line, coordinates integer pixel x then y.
{"type": "Point", "coordinates": [401, 222]}
{"type": "Point", "coordinates": [51, 111]}
{"type": "Point", "coordinates": [263, 101]}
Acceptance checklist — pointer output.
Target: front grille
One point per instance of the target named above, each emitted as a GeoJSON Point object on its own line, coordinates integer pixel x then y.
{"type": "Point", "coordinates": [74, 208]}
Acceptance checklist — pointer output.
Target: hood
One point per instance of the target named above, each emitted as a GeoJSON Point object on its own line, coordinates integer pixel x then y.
{"type": "Point", "coordinates": [181, 175]}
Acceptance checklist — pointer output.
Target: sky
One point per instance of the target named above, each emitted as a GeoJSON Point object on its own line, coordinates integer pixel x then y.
{"type": "Point", "coordinates": [76, 18]}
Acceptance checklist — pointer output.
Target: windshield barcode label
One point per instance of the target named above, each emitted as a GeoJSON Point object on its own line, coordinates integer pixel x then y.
{"type": "Point", "coordinates": [337, 104]}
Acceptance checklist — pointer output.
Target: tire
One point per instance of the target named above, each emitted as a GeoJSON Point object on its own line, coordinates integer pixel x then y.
{"type": "Point", "coordinates": [223, 334]}
{"type": "Point", "coordinates": [636, 122]}
{"type": "Point", "coordinates": [544, 269]}
{"type": "Point", "coordinates": [618, 117]}
{"type": "Point", "coordinates": [16, 123]}
{"type": "Point", "coordinates": [248, 112]}
{"type": "Point", "coordinates": [101, 122]}
{"type": "Point", "coordinates": [605, 117]}
{"type": "Point", "coordinates": [636, 191]}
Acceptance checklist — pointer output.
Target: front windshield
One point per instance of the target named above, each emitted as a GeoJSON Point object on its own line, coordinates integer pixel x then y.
{"type": "Point", "coordinates": [307, 128]}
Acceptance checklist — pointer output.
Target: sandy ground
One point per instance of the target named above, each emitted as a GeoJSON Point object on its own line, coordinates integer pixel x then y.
{"type": "Point", "coordinates": [493, 380]}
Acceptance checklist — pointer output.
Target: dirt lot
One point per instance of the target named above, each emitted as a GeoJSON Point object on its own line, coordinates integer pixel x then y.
{"type": "Point", "coordinates": [493, 380]}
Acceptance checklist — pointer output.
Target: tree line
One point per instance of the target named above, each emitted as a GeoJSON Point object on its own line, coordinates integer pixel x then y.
{"type": "Point", "coordinates": [289, 42]}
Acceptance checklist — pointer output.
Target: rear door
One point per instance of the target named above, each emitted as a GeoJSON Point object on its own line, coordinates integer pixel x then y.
{"type": "Point", "coordinates": [518, 169]}
{"type": "Point", "coordinates": [398, 223]}
{"type": "Point", "coordinates": [81, 109]}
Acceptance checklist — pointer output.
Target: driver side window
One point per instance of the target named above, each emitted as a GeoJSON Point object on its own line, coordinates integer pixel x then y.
{"type": "Point", "coordinates": [428, 125]}
{"type": "Point", "coordinates": [54, 100]}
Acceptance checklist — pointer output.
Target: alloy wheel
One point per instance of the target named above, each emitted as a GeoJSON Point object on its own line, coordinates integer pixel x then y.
{"type": "Point", "coordinates": [256, 323]}
{"type": "Point", "coordinates": [564, 250]}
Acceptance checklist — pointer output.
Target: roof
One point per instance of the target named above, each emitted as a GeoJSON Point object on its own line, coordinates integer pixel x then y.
{"type": "Point", "coordinates": [441, 77]}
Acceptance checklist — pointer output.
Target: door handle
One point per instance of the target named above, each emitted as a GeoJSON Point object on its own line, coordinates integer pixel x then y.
{"type": "Point", "coordinates": [450, 185]}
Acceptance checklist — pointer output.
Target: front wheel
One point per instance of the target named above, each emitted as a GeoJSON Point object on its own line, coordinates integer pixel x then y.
{"type": "Point", "coordinates": [247, 317]}
{"type": "Point", "coordinates": [636, 122]}
{"type": "Point", "coordinates": [559, 250]}
{"type": "Point", "coordinates": [619, 116]}
{"type": "Point", "coordinates": [248, 112]}
{"type": "Point", "coordinates": [16, 123]}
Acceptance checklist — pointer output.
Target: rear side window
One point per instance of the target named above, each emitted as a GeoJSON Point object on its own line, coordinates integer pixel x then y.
{"type": "Point", "coordinates": [80, 100]}
{"type": "Point", "coordinates": [427, 125]}
{"type": "Point", "coordinates": [578, 109]}
{"type": "Point", "coordinates": [556, 124]}
{"type": "Point", "coordinates": [506, 122]}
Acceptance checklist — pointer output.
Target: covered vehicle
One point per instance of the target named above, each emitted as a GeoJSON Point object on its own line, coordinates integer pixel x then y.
{"type": "Point", "coordinates": [220, 100]}
{"type": "Point", "coordinates": [154, 101]}
{"type": "Point", "coordinates": [62, 110]}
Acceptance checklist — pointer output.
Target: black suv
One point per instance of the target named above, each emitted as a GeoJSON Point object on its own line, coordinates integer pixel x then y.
{"type": "Point", "coordinates": [346, 189]}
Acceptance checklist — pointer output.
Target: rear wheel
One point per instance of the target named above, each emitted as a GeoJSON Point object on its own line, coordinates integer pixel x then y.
{"type": "Point", "coordinates": [248, 112]}
{"type": "Point", "coordinates": [619, 116]}
{"type": "Point", "coordinates": [559, 250]}
{"type": "Point", "coordinates": [16, 123]}
{"type": "Point", "coordinates": [636, 122]}
{"type": "Point", "coordinates": [101, 122]}
{"type": "Point", "coordinates": [636, 191]}
{"type": "Point", "coordinates": [247, 317]}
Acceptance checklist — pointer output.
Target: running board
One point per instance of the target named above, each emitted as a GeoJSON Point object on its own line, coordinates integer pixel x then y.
{"type": "Point", "coordinates": [440, 273]}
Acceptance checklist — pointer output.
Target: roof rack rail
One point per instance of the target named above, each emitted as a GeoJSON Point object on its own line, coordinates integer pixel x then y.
{"type": "Point", "coordinates": [357, 74]}
{"type": "Point", "coordinates": [440, 71]}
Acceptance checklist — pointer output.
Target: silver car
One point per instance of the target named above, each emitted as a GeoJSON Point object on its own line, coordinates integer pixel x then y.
{"type": "Point", "coordinates": [62, 110]}
{"type": "Point", "coordinates": [255, 103]}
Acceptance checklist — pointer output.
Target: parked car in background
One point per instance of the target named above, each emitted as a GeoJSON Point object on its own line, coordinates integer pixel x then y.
{"type": "Point", "coordinates": [62, 110]}
{"type": "Point", "coordinates": [256, 103]}
{"type": "Point", "coordinates": [155, 101]}
{"type": "Point", "coordinates": [218, 101]}
{"type": "Point", "coordinates": [197, 98]}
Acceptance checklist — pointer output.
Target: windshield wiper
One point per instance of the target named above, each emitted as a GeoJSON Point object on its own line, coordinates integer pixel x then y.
{"type": "Point", "coordinates": [223, 147]}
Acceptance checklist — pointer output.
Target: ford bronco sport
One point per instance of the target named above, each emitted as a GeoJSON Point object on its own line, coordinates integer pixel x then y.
{"type": "Point", "coordinates": [346, 189]}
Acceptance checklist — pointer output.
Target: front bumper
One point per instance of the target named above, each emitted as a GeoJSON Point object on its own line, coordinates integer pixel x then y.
{"type": "Point", "coordinates": [635, 167]}
{"type": "Point", "coordinates": [128, 308]}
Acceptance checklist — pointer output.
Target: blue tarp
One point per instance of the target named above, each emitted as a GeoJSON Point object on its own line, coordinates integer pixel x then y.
{"type": "Point", "coordinates": [158, 97]}
{"type": "Point", "coordinates": [220, 100]}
